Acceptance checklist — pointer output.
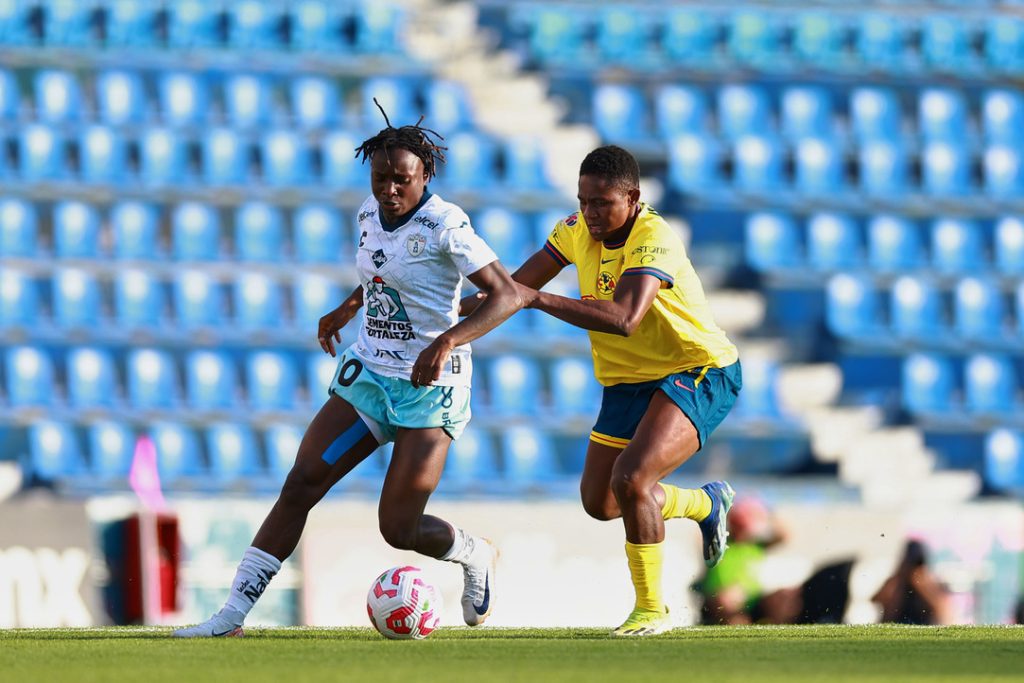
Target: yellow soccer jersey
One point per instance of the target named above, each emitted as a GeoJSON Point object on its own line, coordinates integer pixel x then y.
{"type": "Point", "coordinates": [677, 333]}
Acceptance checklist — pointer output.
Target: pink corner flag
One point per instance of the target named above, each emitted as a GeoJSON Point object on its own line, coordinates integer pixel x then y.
{"type": "Point", "coordinates": [144, 476]}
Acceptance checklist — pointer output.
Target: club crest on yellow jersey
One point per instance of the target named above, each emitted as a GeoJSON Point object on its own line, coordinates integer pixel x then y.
{"type": "Point", "coordinates": [605, 282]}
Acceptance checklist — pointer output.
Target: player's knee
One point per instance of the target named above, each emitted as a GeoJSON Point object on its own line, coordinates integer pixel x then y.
{"type": "Point", "coordinates": [301, 489]}
{"type": "Point", "coordinates": [398, 533]}
{"type": "Point", "coordinates": [630, 486]}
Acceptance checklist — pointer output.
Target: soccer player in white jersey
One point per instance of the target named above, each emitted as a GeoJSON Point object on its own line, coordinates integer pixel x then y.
{"type": "Point", "coordinates": [405, 379]}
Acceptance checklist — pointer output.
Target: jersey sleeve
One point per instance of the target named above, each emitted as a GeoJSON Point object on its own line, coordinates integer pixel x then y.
{"type": "Point", "coordinates": [655, 251]}
{"type": "Point", "coordinates": [467, 250]}
{"type": "Point", "coordinates": [560, 244]}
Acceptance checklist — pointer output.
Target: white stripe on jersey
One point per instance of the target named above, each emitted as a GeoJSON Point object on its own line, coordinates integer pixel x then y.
{"type": "Point", "coordinates": [412, 283]}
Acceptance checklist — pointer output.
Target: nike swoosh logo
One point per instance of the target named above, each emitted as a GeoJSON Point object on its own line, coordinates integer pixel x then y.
{"type": "Point", "coordinates": [222, 633]}
{"type": "Point", "coordinates": [608, 260]}
{"type": "Point", "coordinates": [683, 386]}
{"type": "Point", "coordinates": [482, 608]}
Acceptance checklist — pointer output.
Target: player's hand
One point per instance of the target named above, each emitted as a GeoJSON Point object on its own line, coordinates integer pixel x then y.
{"type": "Point", "coordinates": [469, 303]}
{"type": "Point", "coordinates": [329, 330]}
{"type": "Point", "coordinates": [431, 360]}
{"type": "Point", "coordinates": [527, 294]}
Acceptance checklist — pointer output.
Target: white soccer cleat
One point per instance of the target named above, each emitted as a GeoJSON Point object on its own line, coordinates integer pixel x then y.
{"type": "Point", "coordinates": [478, 593]}
{"type": "Point", "coordinates": [220, 625]}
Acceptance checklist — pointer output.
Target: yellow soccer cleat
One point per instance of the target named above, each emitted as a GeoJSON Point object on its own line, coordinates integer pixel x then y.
{"type": "Point", "coordinates": [642, 622]}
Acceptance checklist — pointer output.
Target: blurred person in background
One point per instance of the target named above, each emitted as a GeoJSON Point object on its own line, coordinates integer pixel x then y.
{"type": "Point", "coordinates": [914, 594]}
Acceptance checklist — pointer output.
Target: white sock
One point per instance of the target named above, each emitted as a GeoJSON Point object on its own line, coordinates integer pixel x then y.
{"type": "Point", "coordinates": [465, 548]}
{"type": "Point", "coordinates": [255, 571]}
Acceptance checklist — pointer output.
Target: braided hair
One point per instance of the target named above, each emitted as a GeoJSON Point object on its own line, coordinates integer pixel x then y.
{"type": "Point", "coordinates": [414, 139]}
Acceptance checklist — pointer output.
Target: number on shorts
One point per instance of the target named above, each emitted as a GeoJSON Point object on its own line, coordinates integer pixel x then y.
{"type": "Point", "coordinates": [349, 371]}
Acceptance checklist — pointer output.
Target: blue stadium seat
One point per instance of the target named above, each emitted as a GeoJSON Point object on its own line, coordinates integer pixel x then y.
{"type": "Point", "coordinates": [620, 112]}
{"type": "Point", "coordinates": [317, 237]}
{"type": "Point", "coordinates": [130, 23]}
{"type": "Point", "coordinates": [772, 241]}
{"type": "Point", "coordinates": [257, 302]}
{"type": "Point", "coordinates": [10, 96]}
{"type": "Point", "coordinates": [195, 232]}
{"type": "Point", "coordinates": [314, 295]}
{"type": "Point", "coordinates": [135, 227]}
{"type": "Point", "coordinates": [942, 114]}
{"type": "Point", "coordinates": [471, 462]}
{"type": "Point", "coordinates": [19, 231]}
{"type": "Point", "coordinates": [379, 27]}
{"type": "Point", "coordinates": [102, 155]}
{"type": "Point", "coordinates": [139, 299]}
{"type": "Point", "coordinates": [19, 299]}
{"type": "Point", "coordinates": [875, 113]}
{"type": "Point", "coordinates": [818, 39]}
{"type": "Point", "coordinates": [694, 163]}
{"type": "Point", "coordinates": [880, 41]}
{"type": "Point", "coordinates": [67, 23]}
{"type": "Point", "coordinates": [316, 26]}
{"type": "Point", "coordinates": [40, 153]}
{"type": "Point", "coordinates": [928, 383]}
{"type": "Point", "coordinates": [315, 102]}
{"type": "Point", "coordinates": [54, 451]}
{"type": "Point", "coordinates": [233, 452]}
{"type": "Point", "coordinates": [1004, 43]}
{"type": "Point", "coordinates": [743, 110]}
{"type": "Point", "coordinates": [30, 376]}
{"type": "Point", "coordinates": [956, 246]}
{"type": "Point", "coordinates": [526, 163]}
{"type": "Point", "coordinates": [758, 400]}
{"type": "Point", "coordinates": [679, 109]}
{"type": "Point", "coordinates": [111, 450]}
{"type": "Point", "coordinates": [471, 162]}
{"type": "Point", "coordinates": [1009, 245]}
{"type": "Point", "coordinates": [819, 167]}
{"type": "Point", "coordinates": [152, 379]}
{"type": "Point", "coordinates": [120, 97]}
{"type": "Point", "coordinates": [259, 232]}
{"type": "Point", "coordinates": [945, 168]}
{"type": "Point", "coordinates": [979, 310]}
{"type": "Point", "coordinates": [162, 158]}
{"type": "Point", "coordinates": [91, 378]}
{"type": "Point", "coordinates": [690, 34]}
{"type": "Point", "coordinates": [448, 106]}
{"type": "Point", "coordinates": [990, 385]}
{"type": "Point", "coordinates": [76, 298]}
{"type": "Point", "coordinates": [76, 227]}
{"type": "Point", "coordinates": [514, 384]}
{"type": "Point", "coordinates": [757, 164]}
{"type": "Point", "coordinates": [192, 23]}
{"type": "Point", "coordinates": [529, 455]}
{"type": "Point", "coordinates": [281, 442]}
{"type": "Point", "coordinates": [894, 244]}
{"type": "Point", "coordinates": [341, 168]}
{"type": "Point", "coordinates": [397, 97]}
{"type": "Point", "coordinates": [754, 37]}
{"type": "Point", "coordinates": [1003, 171]}
{"type": "Point", "coordinates": [807, 111]}
{"type": "Point", "coordinates": [883, 168]}
{"type": "Point", "coordinates": [225, 157]}
{"type": "Point", "coordinates": [15, 28]}
{"type": "Point", "coordinates": [556, 33]}
{"type": "Point", "coordinates": [211, 380]}
{"type": "Point", "coordinates": [270, 380]}
{"type": "Point", "coordinates": [833, 242]}
{"type": "Point", "coordinates": [184, 98]}
{"type": "Point", "coordinates": [320, 370]}
{"type": "Point", "coordinates": [247, 101]}
{"type": "Point", "coordinates": [57, 96]}
{"type": "Point", "coordinates": [1004, 460]}
{"type": "Point", "coordinates": [946, 42]}
{"type": "Point", "coordinates": [254, 24]}
{"type": "Point", "coordinates": [178, 454]}
{"type": "Point", "coordinates": [623, 33]}
{"type": "Point", "coordinates": [507, 233]}
{"type": "Point", "coordinates": [198, 300]}
{"type": "Point", "coordinates": [1019, 309]}
{"type": "Point", "coordinates": [916, 309]}
{"type": "Point", "coordinates": [574, 389]}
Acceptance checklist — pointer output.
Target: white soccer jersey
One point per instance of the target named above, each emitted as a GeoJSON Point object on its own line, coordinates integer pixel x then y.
{"type": "Point", "coordinates": [412, 283]}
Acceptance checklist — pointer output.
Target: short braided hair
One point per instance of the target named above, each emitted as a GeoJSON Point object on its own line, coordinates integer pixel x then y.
{"type": "Point", "coordinates": [414, 139]}
{"type": "Point", "coordinates": [613, 163]}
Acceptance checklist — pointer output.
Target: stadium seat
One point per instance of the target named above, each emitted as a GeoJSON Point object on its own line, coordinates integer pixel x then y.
{"type": "Point", "coordinates": [928, 384]}
{"type": "Point", "coordinates": [743, 110]}
{"type": "Point", "coordinates": [833, 242]}
{"type": "Point", "coordinates": [232, 451]}
{"type": "Point", "coordinates": [758, 400]}
{"type": "Point", "coordinates": [340, 167]}
{"type": "Point", "coordinates": [753, 37]}
{"type": "Point", "coordinates": [942, 114]}
{"type": "Point", "coordinates": [395, 95]}
{"type": "Point", "coordinates": [979, 310]}
{"type": "Point", "coordinates": [1002, 116]}
{"type": "Point", "coordinates": [916, 309]}
{"type": "Point", "coordinates": [54, 451]}
{"type": "Point", "coordinates": [135, 227]}
{"type": "Point", "coordinates": [184, 98]}
{"type": "Point", "coordinates": [1004, 43]}
{"type": "Point", "coordinates": [91, 378]}
{"type": "Point", "coordinates": [198, 300]}
{"type": "Point", "coordinates": [894, 244]}
{"type": "Point", "coordinates": [529, 456]}
{"type": "Point", "coordinates": [315, 102]}
{"type": "Point", "coordinates": [192, 23]}
{"type": "Point", "coordinates": [471, 162]}
{"type": "Point", "coordinates": [1003, 171]}
{"type": "Point", "coordinates": [818, 39]}
{"type": "Point", "coordinates": [30, 377]}
{"type": "Point", "coordinates": [1004, 460]}
{"type": "Point", "coordinates": [318, 234]}
{"type": "Point", "coordinates": [120, 97]}
{"type": "Point", "coordinates": [247, 101]}
{"type": "Point", "coordinates": [10, 97]}
{"type": "Point", "coordinates": [320, 371]}
{"type": "Point", "coordinates": [57, 96]}
{"type": "Point", "coordinates": [574, 389]}
{"type": "Point", "coordinates": [506, 232]}
{"type": "Point", "coordinates": [1019, 309]}
{"type": "Point", "coordinates": [622, 35]}
{"type": "Point", "coordinates": [211, 380]}
{"type": "Point", "coordinates": [956, 246]}
{"type": "Point", "coordinates": [819, 167]}
{"type": "Point", "coordinates": [67, 23]}
{"type": "Point", "coordinates": [316, 26]}
{"type": "Point", "coordinates": [379, 27]}
{"type": "Point", "coordinates": [757, 164]}
{"type": "Point", "coordinates": [195, 232]}
{"type": "Point", "coordinates": [772, 242]}
{"type": "Point", "coordinates": [257, 302]}
{"type": "Point", "coordinates": [178, 455]}
{"type": "Point", "coordinates": [102, 156]}
{"type": "Point", "coordinates": [679, 109]}
{"type": "Point", "coordinates": [130, 23]}
{"type": "Point", "coordinates": [281, 443]}
{"type": "Point", "coordinates": [690, 34]}
{"type": "Point", "coordinates": [526, 164]}
{"type": "Point", "coordinates": [76, 227]}
{"type": "Point", "coordinates": [883, 168]}
{"type": "Point", "coordinates": [271, 381]}
{"type": "Point", "coordinates": [111, 451]}
{"type": "Point", "coordinates": [76, 298]}
{"type": "Point", "coordinates": [19, 228]}
{"type": "Point", "coordinates": [162, 158]}
{"type": "Point", "coordinates": [880, 42]}
{"type": "Point", "coordinates": [15, 28]}
{"type": "Point", "coordinates": [40, 153]}
{"type": "Point", "coordinates": [152, 379]}
{"type": "Point", "coordinates": [945, 168]}
{"type": "Point", "coordinates": [807, 111]}
{"type": "Point", "coordinates": [945, 43]}
{"type": "Point", "coordinates": [139, 299]}
{"type": "Point", "coordinates": [448, 106]}
{"type": "Point", "coordinates": [513, 384]}
{"type": "Point", "coordinates": [990, 385]}
{"type": "Point", "coordinates": [225, 157]}
{"type": "Point", "coordinates": [19, 299]}
{"type": "Point", "coordinates": [259, 232]}
{"type": "Point", "coordinates": [620, 112]}
{"type": "Point", "coordinates": [314, 295]}
{"type": "Point", "coordinates": [471, 462]}
{"type": "Point", "coordinates": [694, 163]}
{"type": "Point", "coordinates": [556, 34]}
{"type": "Point", "coordinates": [1009, 245]}
{"type": "Point", "coordinates": [874, 114]}
{"type": "Point", "coordinates": [254, 24]}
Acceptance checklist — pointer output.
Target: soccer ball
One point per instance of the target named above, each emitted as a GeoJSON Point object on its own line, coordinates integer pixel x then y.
{"type": "Point", "coordinates": [403, 605]}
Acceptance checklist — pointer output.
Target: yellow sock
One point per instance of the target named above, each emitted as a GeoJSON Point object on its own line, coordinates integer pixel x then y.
{"type": "Point", "coordinates": [645, 569]}
{"type": "Point", "coordinates": [692, 504]}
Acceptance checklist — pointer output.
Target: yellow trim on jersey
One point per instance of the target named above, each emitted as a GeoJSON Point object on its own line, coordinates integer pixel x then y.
{"type": "Point", "coordinates": [605, 440]}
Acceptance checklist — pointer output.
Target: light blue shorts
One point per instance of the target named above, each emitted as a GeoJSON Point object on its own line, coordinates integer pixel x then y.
{"type": "Point", "coordinates": [387, 403]}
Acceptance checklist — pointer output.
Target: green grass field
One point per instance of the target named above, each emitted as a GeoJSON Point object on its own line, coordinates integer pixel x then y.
{"type": "Point", "coordinates": [701, 655]}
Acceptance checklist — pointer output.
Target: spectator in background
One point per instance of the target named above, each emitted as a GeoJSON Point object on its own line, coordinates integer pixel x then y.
{"type": "Point", "coordinates": [914, 594]}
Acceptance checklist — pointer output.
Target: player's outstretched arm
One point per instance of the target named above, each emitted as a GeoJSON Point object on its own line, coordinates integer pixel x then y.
{"type": "Point", "coordinates": [633, 297]}
{"type": "Point", "coordinates": [329, 330]}
{"type": "Point", "coordinates": [536, 271]}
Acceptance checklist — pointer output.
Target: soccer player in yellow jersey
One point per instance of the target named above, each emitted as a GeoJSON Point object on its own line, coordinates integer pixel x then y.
{"type": "Point", "coordinates": [670, 375]}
